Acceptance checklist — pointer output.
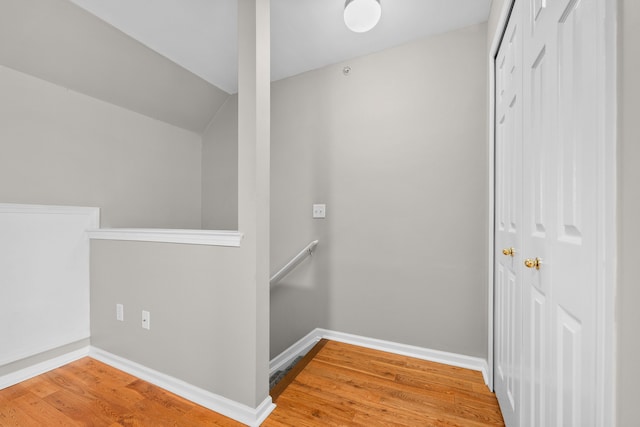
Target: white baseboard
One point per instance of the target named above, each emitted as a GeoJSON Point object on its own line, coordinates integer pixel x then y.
{"type": "Point", "coordinates": [309, 340]}
{"type": "Point", "coordinates": [227, 407]}
{"type": "Point", "coordinates": [42, 367]}
{"type": "Point", "coordinates": [302, 346]}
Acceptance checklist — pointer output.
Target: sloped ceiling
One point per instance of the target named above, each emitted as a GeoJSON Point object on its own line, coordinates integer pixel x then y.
{"type": "Point", "coordinates": [201, 35]}
{"type": "Point", "coordinates": [61, 43]}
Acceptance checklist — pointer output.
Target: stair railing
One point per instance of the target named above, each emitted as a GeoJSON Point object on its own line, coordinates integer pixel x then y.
{"type": "Point", "coordinates": [302, 255]}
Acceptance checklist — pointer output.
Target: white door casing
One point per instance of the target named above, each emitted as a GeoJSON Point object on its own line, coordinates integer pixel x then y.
{"type": "Point", "coordinates": [508, 220]}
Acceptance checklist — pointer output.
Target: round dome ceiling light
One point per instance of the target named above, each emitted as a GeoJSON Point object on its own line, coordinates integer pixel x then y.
{"type": "Point", "coordinates": [361, 16]}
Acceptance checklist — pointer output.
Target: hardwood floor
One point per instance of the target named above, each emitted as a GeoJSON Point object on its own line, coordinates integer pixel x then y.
{"type": "Point", "coordinates": [340, 385]}
{"type": "Point", "coordinates": [346, 385]}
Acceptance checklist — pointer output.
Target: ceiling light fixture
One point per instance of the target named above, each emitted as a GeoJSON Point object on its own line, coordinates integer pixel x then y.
{"type": "Point", "coordinates": [361, 16]}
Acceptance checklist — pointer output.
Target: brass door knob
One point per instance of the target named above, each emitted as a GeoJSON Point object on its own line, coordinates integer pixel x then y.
{"type": "Point", "coordinates": [533, 263]}
{"type": "Point", "coordinates": [509, 252]}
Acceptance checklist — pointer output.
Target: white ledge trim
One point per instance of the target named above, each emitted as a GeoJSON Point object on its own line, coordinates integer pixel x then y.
{"type": "Point", "coordinates": [51, 209]}
{"type": "Point", "coordinates": [190, 237]}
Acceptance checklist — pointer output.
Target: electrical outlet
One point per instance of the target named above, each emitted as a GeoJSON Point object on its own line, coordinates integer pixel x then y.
{"type": "Point", "coordinates": [319, 211]}
{"type": "Point", "coordinates": [120, 312]}
{"type": "Point", "coordinates": [146, 319]}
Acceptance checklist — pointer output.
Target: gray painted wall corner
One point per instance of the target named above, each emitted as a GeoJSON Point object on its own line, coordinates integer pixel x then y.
{"type": "Point", "coordinates": [220, 169]}
{"type": "Point", "coordinates": [385, 148]}
{"type": "Point", "coordinates": [628, 292]}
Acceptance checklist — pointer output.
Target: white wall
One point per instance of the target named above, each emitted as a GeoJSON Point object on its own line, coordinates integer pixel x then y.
{"type": "Point", "coordinates": [60, 147]}
{"type": "Point", "coordinates": [43, 307]}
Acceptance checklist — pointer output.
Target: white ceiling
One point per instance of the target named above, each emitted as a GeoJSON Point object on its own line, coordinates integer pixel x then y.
{"type": "Point", "coordinates": [201, 35]}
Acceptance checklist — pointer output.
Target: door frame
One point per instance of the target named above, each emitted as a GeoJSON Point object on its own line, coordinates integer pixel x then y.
{"type": "Point", "coordinates": [607, 204]}
{"type": "Point", "coordinates": [493, 51]}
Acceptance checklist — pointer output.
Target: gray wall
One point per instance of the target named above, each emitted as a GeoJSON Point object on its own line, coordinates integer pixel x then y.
{"type": "Point", "coordinates": [397, 152]}
{"type": "Point", "coordinates": [194, 293]}
{"type": "Point", "coordinates": [628, 292]}
{"type": "Point", "coordinates": [220, 169]}
{"type": "Point", "coordinates": [60, 147]}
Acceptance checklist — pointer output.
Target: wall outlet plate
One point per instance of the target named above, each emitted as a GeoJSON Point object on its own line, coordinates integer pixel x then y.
{"type": "Point", "coordinates": [146, 319]}
{"type": "Point", "coordinates": [120, 312]}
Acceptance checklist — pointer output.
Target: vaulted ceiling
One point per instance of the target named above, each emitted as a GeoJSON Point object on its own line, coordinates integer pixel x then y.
{"type": "Point", "coordinates": [176, 60]}
{"type": "Point", "coordinates": [201, 35]}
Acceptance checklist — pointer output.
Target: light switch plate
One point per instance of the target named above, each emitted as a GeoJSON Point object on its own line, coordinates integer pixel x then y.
{"type": "Point", "coordinates": [320, 211]}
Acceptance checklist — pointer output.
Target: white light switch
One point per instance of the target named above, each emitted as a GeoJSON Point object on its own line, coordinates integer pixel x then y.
{"type": "Point", "coordinates": [319, 211]}
{"type": "Point", "coordinates": [120, 312]}
{"type": "Point", "coordinates": [146, 319]}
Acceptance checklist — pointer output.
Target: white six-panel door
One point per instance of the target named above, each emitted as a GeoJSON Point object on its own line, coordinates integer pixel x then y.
{"type": "Point", "coordinates": [546, 181]}
{"type": "Point", "coordinates": [539, 206]}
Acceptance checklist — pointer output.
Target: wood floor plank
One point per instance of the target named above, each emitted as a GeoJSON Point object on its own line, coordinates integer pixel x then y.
{"type": "Point", "coordinates": [316, 412]}
{"type": "Point", "coordinates": [360, 385]}
{"type": "Point", "coordinates": [83, 408]}
{"type": "Point", "coordinates": [160, 398]}
{"type": "Point", "coordinates": [387, 370]}
{"type": "Point", "coordinates": [22, 410]}
{"type": "Point", "coordinates": [199, 416]}
{"type": "Point", "coordinates": [372, 409]}
{"type": "Point", "coordinates": [356, 363]}
{"type": "Point", "coordinates": [14, 391]}
{"type": "Point", "coordinates": [410, 362]}
{"type": "Point", "coordinates": [109, 390]}
{"type": "Point", "coordinates": [150, 411]}
{"type": "Point", "coordinates": [39, 386]}
{"type": "Point", "coordinates": [41, 412]}
{"type": "Point", "coordinates": [437, 386]}
{"type": "Point", "coordinates": [13, 416]}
